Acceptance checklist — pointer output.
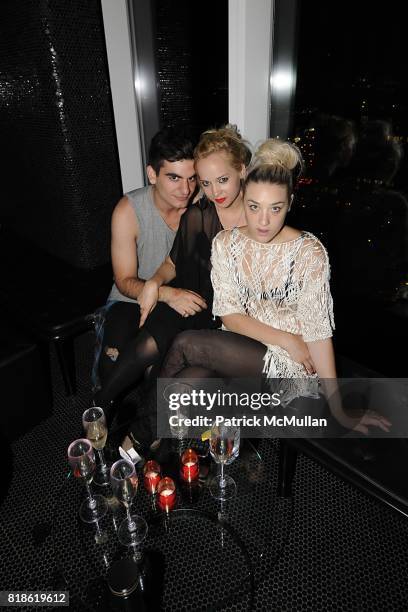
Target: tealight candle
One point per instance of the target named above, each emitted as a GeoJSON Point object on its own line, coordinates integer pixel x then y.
{"type": "Point", "coordinates": [152, 476]}
{"type": "Point", "coordinates": [166, 494]}
{"type": "Point", "coordinates": [190, 468]}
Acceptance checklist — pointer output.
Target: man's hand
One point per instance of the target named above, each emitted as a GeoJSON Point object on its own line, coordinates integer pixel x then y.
{"type": "Point", "coordinates": [184, 301]}
{"type": "Point", "coordinates": [147, 300]}
{"type": "Point", "coordinates": [299, 352]}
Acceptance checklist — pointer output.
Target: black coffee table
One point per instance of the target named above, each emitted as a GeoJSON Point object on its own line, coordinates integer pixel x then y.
{"type": "Point", "coordinates": [204, 555]}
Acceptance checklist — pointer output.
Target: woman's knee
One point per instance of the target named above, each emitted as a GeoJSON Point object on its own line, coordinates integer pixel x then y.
{"type": "Point", "coordinates": [183, 341]}
{"type": "Point", "coordinates": [178, 355]}
{"type": "Point", "coordinates": [197, 347]}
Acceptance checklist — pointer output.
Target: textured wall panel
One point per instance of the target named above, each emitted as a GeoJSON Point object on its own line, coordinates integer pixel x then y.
{"type": "Point", "coordinates": [62, 175]}
{"type": "Point", "coordinates": [192, 61]}
{"type": "Point", "coordinates": [174, 61]}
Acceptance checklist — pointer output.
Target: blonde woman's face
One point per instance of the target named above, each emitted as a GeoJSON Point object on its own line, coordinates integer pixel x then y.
{"type": "Point", "coordinates": [266, 207]}
{"type": "Point", "coordinates": [219, 180]}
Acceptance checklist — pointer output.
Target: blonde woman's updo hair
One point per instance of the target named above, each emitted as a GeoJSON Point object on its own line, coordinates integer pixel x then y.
{"type": "Point", "coordinates": [228, 140]}
{"type": "Point", "coordinates": [276, 162]}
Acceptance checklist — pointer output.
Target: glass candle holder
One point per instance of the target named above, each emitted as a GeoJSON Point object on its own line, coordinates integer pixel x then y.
{"type": "Point", "coordinates": [190, 468]}
{"type": "Point", "coordinates": [166, 494]}
{"type": "Point", "coordinates": [151, 476]}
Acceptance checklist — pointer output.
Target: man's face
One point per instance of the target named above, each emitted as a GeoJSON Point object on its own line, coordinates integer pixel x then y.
{"type": "Point", "coordinates": [174, 184]}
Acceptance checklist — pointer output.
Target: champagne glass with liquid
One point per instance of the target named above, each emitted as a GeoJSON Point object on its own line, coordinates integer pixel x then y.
{"type": "Point", "coordinates": [96, 431]}
{"type": "Point", "coordinates": [81, 458]}
{"type": "Point", "coordinates": [222, 439]}
{"type": "Point", "coordinates": [124, 480]}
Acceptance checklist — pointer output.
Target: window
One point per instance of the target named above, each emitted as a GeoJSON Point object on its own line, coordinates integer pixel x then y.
{"type": "Point", "coordinates": [350, 121]}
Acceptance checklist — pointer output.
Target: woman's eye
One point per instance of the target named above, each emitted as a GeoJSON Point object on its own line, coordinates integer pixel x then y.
{"type": "Point", "coordinates": [223, 179]}
{"type": "Point", "coordinates": [276, 209]}
{"type": "Point", "coordinates": [253, 207]}
{"type": "Point", "coordinates": [204, 183]}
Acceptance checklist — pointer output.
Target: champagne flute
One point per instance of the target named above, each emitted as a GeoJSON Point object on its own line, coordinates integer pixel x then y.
{"type": "Point", "coordinates": [81, 458]}
{"type": "Point", "coordinates": [124, 480]}
{"type": "Point", "coordinates": [173, 394]}
{"type": "Point", "coordinates": [94, 423]}
{"type": "Point", "coordinates": [222, 439]}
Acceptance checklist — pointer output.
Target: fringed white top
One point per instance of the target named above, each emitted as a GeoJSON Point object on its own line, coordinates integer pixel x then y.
{"type": "Point", "coordinates": [285, 285]}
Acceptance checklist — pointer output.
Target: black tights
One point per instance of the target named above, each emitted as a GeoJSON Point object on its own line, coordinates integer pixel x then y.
{"type": "Point", "coordinates": [206, 354]}
{"type": "Point", "coordinates": [127, 352]}
{"type": "Point", "coordinates": [212, 352]}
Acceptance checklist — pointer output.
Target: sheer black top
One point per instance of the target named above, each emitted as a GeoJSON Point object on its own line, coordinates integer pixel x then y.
{"type": "Point", "coordinates": [191, 249]}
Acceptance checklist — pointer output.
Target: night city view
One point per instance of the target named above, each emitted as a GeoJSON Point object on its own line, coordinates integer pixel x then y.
{"type": "Point", "coordinates": [351, 64]}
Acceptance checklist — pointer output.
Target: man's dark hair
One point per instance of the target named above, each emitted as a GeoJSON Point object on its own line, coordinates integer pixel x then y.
{"type": "Point", "coordinates": [171, 144]}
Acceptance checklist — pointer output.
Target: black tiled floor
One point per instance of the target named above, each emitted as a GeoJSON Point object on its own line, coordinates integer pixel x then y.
{"type": "Point", "coordinates": [344, 551]}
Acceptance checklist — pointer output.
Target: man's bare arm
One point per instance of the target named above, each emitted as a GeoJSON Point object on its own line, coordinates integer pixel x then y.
{"type": "Point", "coordinates": [183, 301]}
{"type": "Point", "coordinates": [125, 233]}
{"type": "Point", "coordinates": [164, 275]}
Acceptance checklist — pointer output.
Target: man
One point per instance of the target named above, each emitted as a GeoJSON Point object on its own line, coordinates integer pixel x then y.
{"type": "Point", "coordinates": [144, 225]}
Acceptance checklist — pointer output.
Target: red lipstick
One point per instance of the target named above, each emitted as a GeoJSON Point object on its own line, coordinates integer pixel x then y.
{"type": "Point", "coordinates": [220, 200]}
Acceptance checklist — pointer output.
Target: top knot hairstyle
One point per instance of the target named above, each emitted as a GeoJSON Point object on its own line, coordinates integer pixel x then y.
{"type": "Point", "coordinates": [276, 162]}
{"type": "Point", "coordinates": [227, 139]}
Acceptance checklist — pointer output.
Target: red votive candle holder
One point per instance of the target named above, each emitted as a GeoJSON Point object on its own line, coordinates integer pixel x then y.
{"type": "Point", "coordinates": [190, 468]}
{"type": "Point", "coordinates": [166, 494]}
{"type": "Point", "coordinates": [151, 476]}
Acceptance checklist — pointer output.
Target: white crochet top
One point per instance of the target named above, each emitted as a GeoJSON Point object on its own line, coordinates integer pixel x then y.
{"type": "Point", "coordinates": [285, 285]}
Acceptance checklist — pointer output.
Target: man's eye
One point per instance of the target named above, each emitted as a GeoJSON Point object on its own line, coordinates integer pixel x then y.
{"type": "Point", "coordinates": [173, 178]}
{"type": "Point", "coordinates": [192, 179]}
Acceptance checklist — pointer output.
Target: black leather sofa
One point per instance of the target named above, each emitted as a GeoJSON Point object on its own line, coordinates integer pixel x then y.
{"type": "Point", "coordinates": [24, 382]}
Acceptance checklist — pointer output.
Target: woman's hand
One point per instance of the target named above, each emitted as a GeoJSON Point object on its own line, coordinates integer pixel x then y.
{"type": "Point", "coordinates": [147, 299]}
{"type": "Point", "coordinates": [362, 422]}
{"type": "Point", "coordinates": [299, 351]}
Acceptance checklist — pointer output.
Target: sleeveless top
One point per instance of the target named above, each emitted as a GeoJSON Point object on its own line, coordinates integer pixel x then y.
{"type": "Point", "coordinates": [155, 238]}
